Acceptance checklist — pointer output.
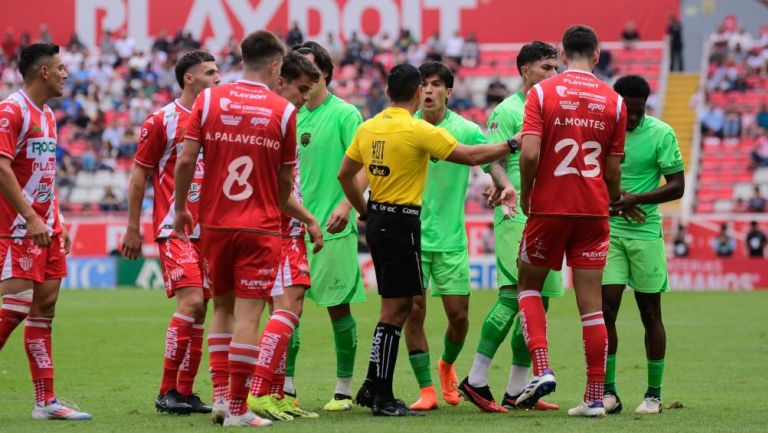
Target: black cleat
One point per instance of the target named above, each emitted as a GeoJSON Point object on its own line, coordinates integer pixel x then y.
{"type": "Point", "coordinates": [611, 403]}
{"type": "Point", "coordinates": [480, 397]}
{"type": "Point", "coordinates": [364, 395]}
{"type": "Point", "coordinates": [197, 405]}
{"type": "Point", "coordinates": [393, 407]}
{"type": "Point", "coordinates": [173, 403]}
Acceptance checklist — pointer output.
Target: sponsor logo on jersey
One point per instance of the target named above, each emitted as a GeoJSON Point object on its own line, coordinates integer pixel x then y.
{"type": "Point", "coordinates": [494, 127]}
{"type": "Point", "coordinates": [305, 139]}
{"type": "Point", "coordinates": [260, 122]}
{"type": "Point", "coordinates": [594, 254]}
{"type": "Point", "coordinates": [194, 192]}
{"type": "Point", "coordinates": [41, 146]}
{"type": "Point", "coordinates": [594, 106]}
{"type": "Point", "coordinates": [26, 262]}
{"type": "Point", "coordinates": [561, 90]}
{"type": "Point", "coordinates": [569, 105]}
{"type": "Point", "coordinates": [578, 82]}
{"type": "Point", "coordinates": [35, 250]}
{"type": "Point", "coordinates": [378, 170]}
{"type": "Point", "coordinates": [247, 95]}
{"type": "Point", "coordinates": [230, 120]}
{"type": "Point", "coordinates": [44, 193]}
{"type": "Point", "coordinates": [176, 274]}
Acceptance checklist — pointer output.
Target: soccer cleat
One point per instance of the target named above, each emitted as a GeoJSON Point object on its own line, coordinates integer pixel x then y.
{"type": "Point", "coordinates": [589, 409]}
{"type": "Point", "coordinates": [612, 403]}
{"type": "Point", "coordinates": [448, 383]}
{"type": "Point", "coordinates": [393, 407]}
{"type": "Point", "coordinates": [248, 419]}
{"type": "Point", "coordinates": [59, 411]}
{"type": "Point", "coordinates": [264, 407]}
{"type": "Point", "coordinates": [538, 387]}
{"type": "Point", "coordinates": [364, 395]}
{"type": "Point", "coordinates": [172, 402]}
{"type": "Point", "coordinates": [480, 397]}
{"type": "Point", "coordinates": [427, 400]}
{"type": "Point", "coordinates": [338, 403]}
{"type": "Point", "coordinates": [649, 405]}
{"type": "Point", "coordinates": [288, 405]}
{"type": "Point", "coordinates": [509, 402]}
{"type": "Point", "coordinates": [219, 410]}
{"type": "Point", "coordinates": [197, 405]}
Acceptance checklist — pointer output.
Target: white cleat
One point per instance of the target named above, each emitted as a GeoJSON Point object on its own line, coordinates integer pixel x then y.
{"type": "Point", "coordinates": [649, 405]}
{"type": "Point", "coordinates": [248, 419]}
{"type": "Point", "coordinates": [592, 409]}
{"type": "Point", "coordinates": [219, 410]}
{"type": "Point", "coordinates": [538, 387]}
{"type": "Point", "coordinates": [60, 411]}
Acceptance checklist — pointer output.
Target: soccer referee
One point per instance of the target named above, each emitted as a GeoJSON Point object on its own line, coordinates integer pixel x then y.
{"type": "Point", "coordinates": [395, 149]}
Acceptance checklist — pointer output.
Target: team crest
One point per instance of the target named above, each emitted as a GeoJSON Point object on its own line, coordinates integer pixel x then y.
{"type": "Point", "coordinates": [494, 127]}
{"type": "Point", "coordinates": [26, 263]}
{"type": "Point", "coordinates": [305, 139]}
{"type": "Point", "coordinates": [176, 274]}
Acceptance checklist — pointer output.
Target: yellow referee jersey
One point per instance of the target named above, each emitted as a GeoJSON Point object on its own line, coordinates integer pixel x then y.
{"type": "Point", "coordinates": [394, 149]}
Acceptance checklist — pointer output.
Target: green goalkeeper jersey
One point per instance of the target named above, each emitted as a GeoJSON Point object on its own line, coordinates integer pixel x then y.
{"type": "Point", "coordinates": [324, 134]}
{"type": "Point", "coordinates": [442, 210]}
{"type": "Point", "coordinates": [505, 121]}
{"type": "Point", "coordinates": [651, 152]}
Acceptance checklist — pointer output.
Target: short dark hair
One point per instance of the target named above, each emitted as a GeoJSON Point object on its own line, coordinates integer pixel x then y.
{"type": "Point", "coordinates": [261, 47]}
{"type": "Point", "coordinates": [632, 86]}
{"type": "Point", "coordinates": [189, 61]}
{"type": "Point", "coordinates": [437, 68]}
{"type": "Point", "coordinates": [322, 58]}
{"type": "Point", "coordinates": [295, 65]}
{"type": "Point", "coordinates": [579, 40]}
{"type": "Point", "coordinates": [402, 82]}
{"type": "Point", "coordinates": [533, 52]}
{"type": "Point", "coordinates": [32, 54]}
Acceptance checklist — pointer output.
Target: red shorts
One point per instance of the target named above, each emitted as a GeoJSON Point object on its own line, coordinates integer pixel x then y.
{"type": "Point", "coordinates": [180, 262]}
{"type": "Point", "coordinates": [21, 258]}
{"type": "Point", "coordinates": [247, 262]}
{"type": "Point", "coordinates": [294, 268]}
{"type": "Point", "coordinates": [583, 241]}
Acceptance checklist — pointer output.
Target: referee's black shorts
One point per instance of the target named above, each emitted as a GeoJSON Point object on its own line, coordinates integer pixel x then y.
{"type": "Point", "coordinates": [393, 233]}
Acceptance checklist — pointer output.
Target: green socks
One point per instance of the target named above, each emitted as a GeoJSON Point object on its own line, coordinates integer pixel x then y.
{"type": "Point", "coordinates": [655, 374]}
{"type": "Point", "coordinates": [451, 350]}
{"type": "Point", "coordinates": [293, 351]}
{"type": "Point", "coordinates": [345, 340]}
{"type": "Point", "coordinates": [497, 323]}
{"type": "Point", "coordinates": [610, 375]}
{"type": "Point", "coordinates": [420, 364]}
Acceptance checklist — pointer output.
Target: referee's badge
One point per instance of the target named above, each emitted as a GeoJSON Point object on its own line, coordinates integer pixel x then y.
{"type": "Point", "coordinates": [305, 139]}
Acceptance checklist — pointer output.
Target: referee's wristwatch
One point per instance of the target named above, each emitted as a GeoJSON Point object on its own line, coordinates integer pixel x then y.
{"type": "Point", "coordinates": [514, 145]}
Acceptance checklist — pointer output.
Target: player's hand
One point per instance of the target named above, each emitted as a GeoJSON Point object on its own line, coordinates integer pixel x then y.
{"type": "Point", "coordinates": [131, 248]}
{"type": "Point", "coordinates": [338, 220]}
{"type": "Point", "coordinates": [492, 196]}
{"type": "Point", "coordinates": [183, 224]}
{"type": "Point", "coordinates": [628, 208]}
{"type": "Point", "coordinates": [315, 236]}
{"type": "Point", "coordinates": [67, 240]}
{"type": "Point", "coordinates": [38, 231]}
{"type": "Point", "coordinates": [508, 201]}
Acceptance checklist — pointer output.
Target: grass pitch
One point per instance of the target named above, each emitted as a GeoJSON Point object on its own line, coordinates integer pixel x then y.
{"type": "Point", "coordinates": [108, 348]}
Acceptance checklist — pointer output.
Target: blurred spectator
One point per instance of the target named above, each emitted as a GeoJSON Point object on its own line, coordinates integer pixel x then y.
{"type": "Point", "coordinates": [739, 206]}
{"type": "Point", "coordinates": [680, 244]}
{"type": "Point", "coordinates": [741, 39]}
{"type": "Point", "coordinates": [732, 123]}
{"type": "Point", "coordinates": [376, 101]}
{"type": "Point", "coordinates": [630, 35]}
{"type": "Point", "coordinates": [755, 241]}
{"type": "Point", "coordinates": [759, 155]}
{"type": "Point", "coordinates": [125, 46]}
{"type": "Point", "coordinates": [9, 44]}
{"type": "Point", "coordinates": [295, 36]}
{"type": "Point", "coordinates": [128, 144]}
{"type": "Point", "coordinates": [109, 202]}
{"type": "Point", "coordinates": [108, 45]}
{"type": "Point", "coordinates": [461, 95]}
{"type": "Point", "coordinates": [354, 48]}
{"type": "Point", "coordinates": [45, 36]}
{"type": "Point", "coordinates": [162, 43]}
{"type": "Point", "coordinates": [723, 245]}
{"type": "Point", "coordinates": [454, 48]}
{"type": "Point", "coordinates": [712, 119]}
{"type": "Point", "coordinates": [140, 107]}
{"type": "Point", "coordinates": [604, 67]}
{"type": "Point", "coordinates": [404, 40]}
{"type": "Point", "coordinates": [386, 43]}
{"type": "Point", "coordinates": [762, 117]}
{"type": "Point", "coordinates": [435, 47]}
{"type": "Point", "coordinates": [470, 56]}
{"type": "Point", "coordinates": [496, 92]}
{"type": "Point", "coordinates": [757, 202]}
{"type": "Point", "coordinates": [675, 33]}
{"type": "Point", "coordinates": [113, 134]}
{"type": "Point", "coordinates": [332, 45]}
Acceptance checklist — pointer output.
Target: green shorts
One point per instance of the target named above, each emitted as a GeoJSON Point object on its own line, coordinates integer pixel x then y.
{"type": "Point", "coordinates": [508, 234]}
{"type": "Point", "coordinates": [640, 264]}
{"type": "Point", "coordinates": [335, 273]}
{"type": "Point", "coordinates": [447, 271]}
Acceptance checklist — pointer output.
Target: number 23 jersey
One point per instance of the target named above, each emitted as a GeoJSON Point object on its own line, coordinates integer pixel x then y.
{"type": "Point", "coordinates": [247, 133]}
{"type": "Point", "coordinates": [581, 122]}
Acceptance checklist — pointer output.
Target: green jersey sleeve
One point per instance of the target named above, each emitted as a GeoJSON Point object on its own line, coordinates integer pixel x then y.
{"type": "Point", "coordinates": [669, 158]}
{"type": "Point", "coordinates": [350, 121]}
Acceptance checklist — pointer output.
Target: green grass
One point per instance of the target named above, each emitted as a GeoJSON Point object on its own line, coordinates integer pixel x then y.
{"type": "Point", "coordinates": [108, 349]}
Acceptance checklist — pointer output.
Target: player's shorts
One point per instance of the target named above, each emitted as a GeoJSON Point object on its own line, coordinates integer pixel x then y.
{"type": "Point", "coordinates": [394, 237]}
{"type": "Point", "coordinates": [21, 258]}
{"type": "Point", "coordinates": [583, 241]}
{"type": "Point", "coordinates": [508, 234]}
{"type": "Point", "coordinates": [641, 264]}
{"type": "Point", "coordinates": [181, 266]}
{"type": "Point", "coordinates": [335, 271]}
{"type": "Point", "coordinates": [294, 268]}
{"type": "Point", "coordinates": [247, 262]}
{"type": "Point", "coordinates": [448, 271]}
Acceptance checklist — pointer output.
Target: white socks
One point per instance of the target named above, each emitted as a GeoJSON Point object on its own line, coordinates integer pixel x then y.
{"type": "Point", "coordinates": [478, 375]}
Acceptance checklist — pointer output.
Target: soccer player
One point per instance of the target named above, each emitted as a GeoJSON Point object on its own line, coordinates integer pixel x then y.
{"type": "Point", "coordinates": [248, 135]}
{"type": "Point", "coordinates": [396, 148]}
{"type": "Point", "coordinates": [444, 256]}
{"type": "Point", "coordinates": [160, 143]}
{"type": "Point", "coordinates": [573, 142]}
{"type": "Point", "coordinates": [536, 62]}
{"type": "Point", "coordinates": [325, 127]}
{"type": "Point", "coordinates": [32, 245]}
{"type": "Point", "coordinates": [637, 255]}
{"type": "Point", "coordinates": [297, 76]}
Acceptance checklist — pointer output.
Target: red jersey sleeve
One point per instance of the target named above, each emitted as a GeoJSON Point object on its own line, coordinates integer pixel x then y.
{"type": "Point", "coordinates": [152, 142]}
{"type": "Point", "coordinates": [620, 134]}
{"type": "Point", "coordinates": [10, 126]}
{"type": "Point", "coordinates": [533, 120]}
{"type": "Point", "coordinates": [288, 154]}
{"type": "Point", "coordinates": [199, 109]}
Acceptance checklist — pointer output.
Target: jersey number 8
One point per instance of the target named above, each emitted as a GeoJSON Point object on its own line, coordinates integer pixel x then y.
{"type": "Point", "coordinates": [239, 171]}
{"type": "Point", "coordinates": [590, 159]}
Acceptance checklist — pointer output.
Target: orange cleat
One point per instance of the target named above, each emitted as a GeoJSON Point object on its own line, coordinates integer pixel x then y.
{"type": "Point", "coordinates": [448, 383]}
{"type": "Point", "coordinates": [427, 400]}
{"type": "Point", "coordinates": [543, 405]}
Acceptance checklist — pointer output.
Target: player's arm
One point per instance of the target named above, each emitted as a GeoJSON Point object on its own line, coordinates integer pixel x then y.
{"type": "Point", "coordinates": [285, 185]}
{"type": "Point", "coordinates": [476, 155]}
{"type": "Point", "coordinates": [672, 190]}
{"type": "Point", "coordinates": [529, 166]}
{"type": "Point", "coordinates": [295, 209]}
{"type": "Point", "coordinates": [185, 170]}
{"type": "Point", "coordinates": [352, 189]}
{"type": "Point", "coordinates": [339, 218]}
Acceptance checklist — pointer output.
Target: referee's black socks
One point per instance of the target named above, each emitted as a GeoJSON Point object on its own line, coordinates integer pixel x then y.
{"type": "Point", "coordinates": [381, 364]}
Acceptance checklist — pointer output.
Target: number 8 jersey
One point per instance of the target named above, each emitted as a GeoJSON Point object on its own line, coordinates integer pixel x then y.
{"type": "Point", "coordinates": [247, 132]}
{"type": "Point", "coordinates": [581, 121]}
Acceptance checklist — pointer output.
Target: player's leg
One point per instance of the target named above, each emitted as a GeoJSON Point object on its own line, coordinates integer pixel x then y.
{"type": "Point", "coordinates": [222, 326]}
{"type": "Point", "coordinates": [15, 309]}
{"type": "Point", "coordinates": [190, 364]}
{"type": "Point", "coordinates": [345, 344]}
{"type": "Point", "coordinates": [615, 279]}
{"type": "Point", "coordinates": [416, 343]}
